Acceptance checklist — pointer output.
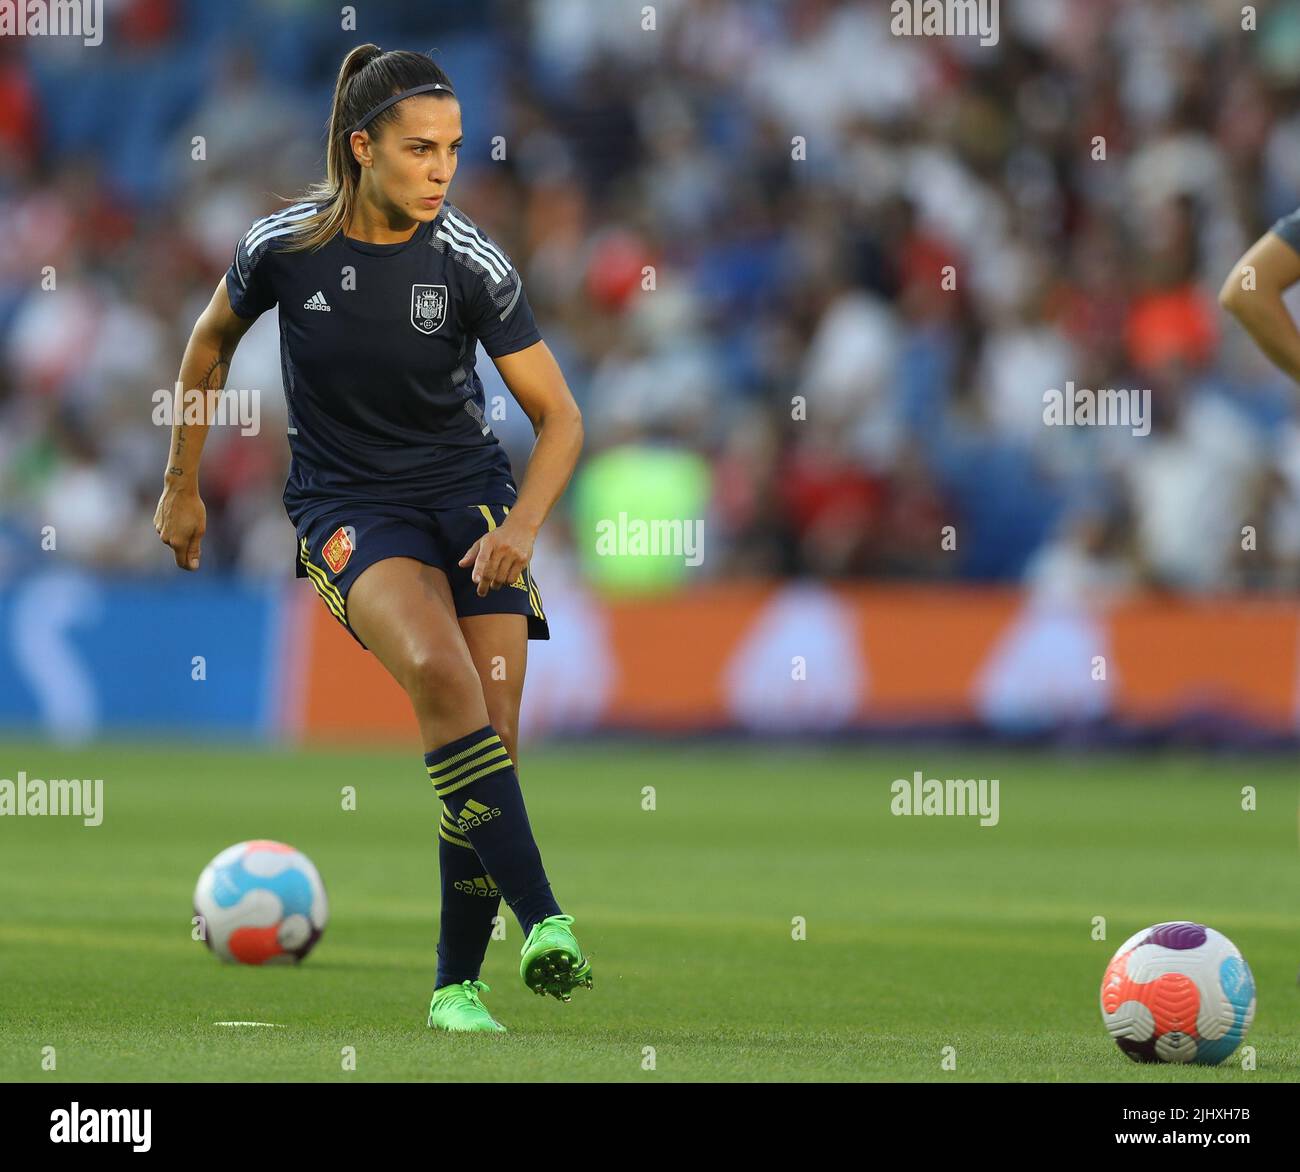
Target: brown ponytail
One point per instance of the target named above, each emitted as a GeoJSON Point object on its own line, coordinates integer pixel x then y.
{"type": "Point", "coordinates": [367, 76]}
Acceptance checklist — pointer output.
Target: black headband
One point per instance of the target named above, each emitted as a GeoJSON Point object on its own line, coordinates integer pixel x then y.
{"type": "Point", "coordinates": [379, 109]}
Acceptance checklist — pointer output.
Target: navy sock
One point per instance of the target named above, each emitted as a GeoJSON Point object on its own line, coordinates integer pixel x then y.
{"type": "Point", "coordinates": [469, 905]}
{"type": "Point", "coordinates": [476, 781]}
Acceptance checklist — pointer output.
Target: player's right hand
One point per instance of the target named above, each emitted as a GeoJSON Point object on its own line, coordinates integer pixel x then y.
{"type": "Point", "coordinates": [181, 520]}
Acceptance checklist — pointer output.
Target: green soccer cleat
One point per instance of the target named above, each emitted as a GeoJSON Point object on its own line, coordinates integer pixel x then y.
{"type": "Point", "coordinates": [551, 960]}
{"type": "Point", "coordinates": [457, 1007]}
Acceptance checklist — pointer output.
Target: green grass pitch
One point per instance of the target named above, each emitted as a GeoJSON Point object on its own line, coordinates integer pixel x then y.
{"type": "Point", "coordinates": [921, 933]}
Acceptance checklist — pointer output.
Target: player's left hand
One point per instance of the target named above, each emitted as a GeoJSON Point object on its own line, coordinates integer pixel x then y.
{"type": "Point", "coordinates": [499, 557]}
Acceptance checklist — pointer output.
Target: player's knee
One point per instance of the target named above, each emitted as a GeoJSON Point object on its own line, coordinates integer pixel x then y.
{"type": "Point", "coordinates": [437, 678]}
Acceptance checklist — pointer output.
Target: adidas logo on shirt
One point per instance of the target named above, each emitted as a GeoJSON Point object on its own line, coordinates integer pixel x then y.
{"type": "Point", "coordinates": [317, 301]}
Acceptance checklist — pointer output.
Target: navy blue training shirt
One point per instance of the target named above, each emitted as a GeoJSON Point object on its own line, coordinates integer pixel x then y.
{"type": "Point", "coordinates": [377, 345]}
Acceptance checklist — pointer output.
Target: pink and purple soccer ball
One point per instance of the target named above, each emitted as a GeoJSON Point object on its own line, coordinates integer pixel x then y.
{"type": "Point", "coordinates": [262, 902]}
{"type": "Point", "coordinates": [1178, 992]}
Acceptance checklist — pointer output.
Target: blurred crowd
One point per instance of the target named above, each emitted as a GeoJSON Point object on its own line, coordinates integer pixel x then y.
{"type": "Point", "coordinates": [868, 259]}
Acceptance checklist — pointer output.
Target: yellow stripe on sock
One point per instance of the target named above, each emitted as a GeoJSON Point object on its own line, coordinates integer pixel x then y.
{"type": "Point", "coordinates": [450, 831]}
{"type": "Point", "coordinates": [455, 841]}
{"type": "Point", "coordinates": [451, 789]}
{"type": "Point", "coordinates": [435, 770]}
{"type": "Point", "coordinates": [468, 766]}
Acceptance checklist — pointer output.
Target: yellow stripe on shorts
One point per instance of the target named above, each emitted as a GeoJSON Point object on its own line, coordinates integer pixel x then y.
{"type": "Point", "coordinates": [324, 587]}
{"type": "Point", "coordinates": [534, 595]}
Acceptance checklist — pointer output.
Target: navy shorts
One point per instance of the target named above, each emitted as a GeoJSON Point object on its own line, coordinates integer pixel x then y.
{"type": "Point", "coordinates": [335, 547]}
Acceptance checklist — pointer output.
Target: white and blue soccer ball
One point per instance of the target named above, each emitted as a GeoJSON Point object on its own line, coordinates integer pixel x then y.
{"type": "Point", "coordinates": [261, 902]}
{"type": "Point", "coordinates": [1178, 992]}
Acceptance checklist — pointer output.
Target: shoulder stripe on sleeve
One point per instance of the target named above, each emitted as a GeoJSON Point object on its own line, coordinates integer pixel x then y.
{"type": "Point", "coordinates": [264, 229]}
{"type": "Point", "coordinates": [297, 207]}
{"type": "Point", "coordinates": [505, 313]}
{"type": "Point", "coordinates": [476, 244]}
{"type": "Point", "coordinates": [278, 232]}
{"type": "Point", "coordinates": [474, 253]}
{"type": "Point", "coordinates": [469, 230]}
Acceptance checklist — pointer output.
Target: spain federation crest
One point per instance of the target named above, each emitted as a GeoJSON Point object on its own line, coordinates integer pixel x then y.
{"type": "Point", "coordinates": [428, 307]}
{"type": "Point", "coordinates": [338, 548]}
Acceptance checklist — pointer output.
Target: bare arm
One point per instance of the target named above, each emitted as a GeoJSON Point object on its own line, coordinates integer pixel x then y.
{"type": "Point", "coordinates": [181, 519]}
{"type": "Point", "coordinates": [1253, 295]}
{"type": "Point", "coordinates": [536, 381]}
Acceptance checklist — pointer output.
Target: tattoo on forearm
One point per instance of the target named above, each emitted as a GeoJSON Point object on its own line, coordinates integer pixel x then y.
{"type": "Point", "coordinates": [215, 375]}
{"type": "Point", "coordinates": [214, 378]}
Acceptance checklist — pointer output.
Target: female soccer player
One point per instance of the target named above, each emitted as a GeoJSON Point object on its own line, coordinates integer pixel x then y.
{"type": "Point", "coordinates": [409, 524]}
